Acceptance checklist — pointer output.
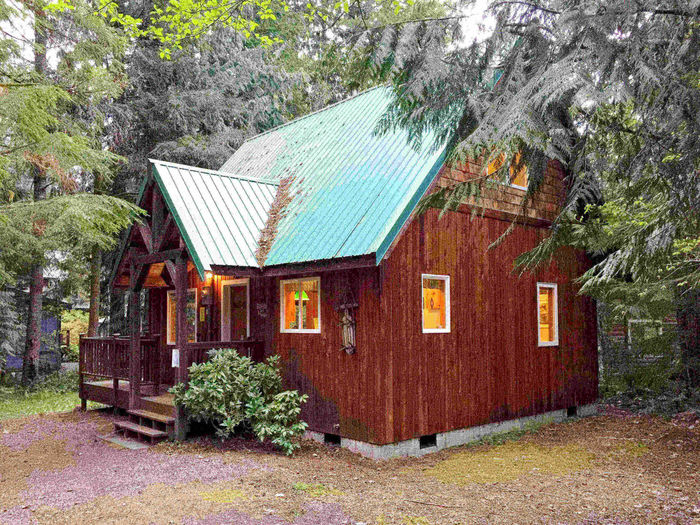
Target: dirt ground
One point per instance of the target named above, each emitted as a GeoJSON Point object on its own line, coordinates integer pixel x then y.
{"type": "Point", "coordinates": [614, 468]}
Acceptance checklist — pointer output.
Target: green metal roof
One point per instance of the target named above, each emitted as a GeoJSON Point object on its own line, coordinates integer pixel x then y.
{"type": "Point", "coordinates": [219, 215]}
{"type": "Point", "coordinates": [352, 189]}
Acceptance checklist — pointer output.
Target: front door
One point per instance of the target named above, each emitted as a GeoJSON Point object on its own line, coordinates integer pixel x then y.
{"type": "Point", "coordinates": [234, 312]}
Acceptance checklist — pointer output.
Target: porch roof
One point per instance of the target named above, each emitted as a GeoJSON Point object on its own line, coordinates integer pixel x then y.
{"type": "Point", "coordinates": [219, 215]}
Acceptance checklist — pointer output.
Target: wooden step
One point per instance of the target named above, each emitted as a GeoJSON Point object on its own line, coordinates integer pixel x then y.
{"type": "Point", "coordinates": [159, 404]}
{"type": "Point", "coordinates": [129, 426]}
{"type": "Point", "coordinates": [154, 416]}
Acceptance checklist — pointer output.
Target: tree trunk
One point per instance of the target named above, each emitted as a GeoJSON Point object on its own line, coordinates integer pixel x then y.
{"type": "Point", "coordinates": [688, 318]}
{"type": "Point", "coordinates": [94, 318]}
{"type": "Point", "coordinates": [36, 288]}
{"type": "Point", "coordinates": [30, 359]}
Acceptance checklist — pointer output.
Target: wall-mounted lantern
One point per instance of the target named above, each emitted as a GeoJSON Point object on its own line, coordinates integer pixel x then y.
{"type": "Point", "coordinates": [347, 327]}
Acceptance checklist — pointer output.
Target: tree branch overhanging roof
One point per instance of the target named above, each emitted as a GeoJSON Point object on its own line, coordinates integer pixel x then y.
{"type": "Point", "coordinates": [352, 188]}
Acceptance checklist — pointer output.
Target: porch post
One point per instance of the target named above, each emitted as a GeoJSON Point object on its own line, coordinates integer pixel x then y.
{"type": "Point", "coordinates": [81, 370]}
{"type": "Point", "coordinates": [181, 427]}
{"type": "Point", "coordinates": [135, 340]}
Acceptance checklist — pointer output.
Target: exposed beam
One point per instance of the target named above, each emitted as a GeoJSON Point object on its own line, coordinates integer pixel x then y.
{"type": "Point", "coordinates": [167, 230]}
{"type": "Point", "coordinates": [348, 263]}
{"type": "Point", "coordinates": [169, 272]}
{"type": "Point", "coordinates": [240, 271]}
{"type": "Point", "coordinates": [146, 235]}
{"type": "Point", "coordinates": [157, 257]}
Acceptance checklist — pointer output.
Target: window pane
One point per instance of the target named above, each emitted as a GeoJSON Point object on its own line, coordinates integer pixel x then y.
{"type": "Point", "coordinates": [309, 305]}
{"type": "Point", "coordinates": [496, 164]}
{"type": "Point", "coordinates": [546, 296]}
{"type": "Point", "coordinates": [291, 305]}
{"type": "Point", "coordinates": [191, 312]}
{"type": "Point", "coordinates": [434, 307]}
{"type": "Point", "coordinates": [191, 316]}
{"type": "Point", "coordinates": [172, 318]}
{"type": "Point", "coordinates": [519, 177]}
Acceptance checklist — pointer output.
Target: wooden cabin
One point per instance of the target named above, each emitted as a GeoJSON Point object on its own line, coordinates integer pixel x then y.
{"type": "Point", "coordinates": [406, 332]}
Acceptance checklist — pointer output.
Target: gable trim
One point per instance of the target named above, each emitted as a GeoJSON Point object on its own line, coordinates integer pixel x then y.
{"type": "Point", "coordinates": [178, 222]}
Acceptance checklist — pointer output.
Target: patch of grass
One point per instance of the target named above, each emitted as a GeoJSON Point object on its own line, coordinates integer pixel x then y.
{"type": "Point", "coordinates": [25, 404]}
{"type": "Point", "coordinates": [415, 520]}
{"type": "Point", "coordinates": [223, 495]}
{"type": "Point", "coordinates": [316, 490]}
{"type": "Point", "coordinates": [56, 393]}
{"type": "Point", "coordinates": [510, 461]}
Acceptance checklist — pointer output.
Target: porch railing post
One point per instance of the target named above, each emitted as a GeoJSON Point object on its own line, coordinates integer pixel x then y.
{"type": "Point", "coordinates": [135, 340]}
{"type": "Point", "coordinates": [81, 373]}
{"type": "Point", "coordinates": [181, 339]}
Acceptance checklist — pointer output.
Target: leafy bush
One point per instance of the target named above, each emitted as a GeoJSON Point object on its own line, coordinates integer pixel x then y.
{"type": "Point", "coordinates": [77, 322]}
{"type": "Point", "coordinates": [232, 392]}
{"type": "Point", "coordinates": [71, 354]}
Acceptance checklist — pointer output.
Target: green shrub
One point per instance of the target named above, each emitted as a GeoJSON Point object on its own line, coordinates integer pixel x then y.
{"type": "Point", "coordinates": [71, 353]}
{"type": "Point", "coordinates": [232, 392]}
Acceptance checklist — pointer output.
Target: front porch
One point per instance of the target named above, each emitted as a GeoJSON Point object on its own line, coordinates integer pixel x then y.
{"type": "Point", "coordinates": [105, 364]}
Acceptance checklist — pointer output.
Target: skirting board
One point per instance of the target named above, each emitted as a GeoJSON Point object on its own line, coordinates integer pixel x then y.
{"type": "Point", "coordinates": [452, 438]}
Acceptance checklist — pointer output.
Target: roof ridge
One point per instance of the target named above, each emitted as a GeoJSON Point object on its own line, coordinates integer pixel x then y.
{"type": "Point", "coordinates": [325, 108]}
{"type": "Point", "coordinates": [217, 172]}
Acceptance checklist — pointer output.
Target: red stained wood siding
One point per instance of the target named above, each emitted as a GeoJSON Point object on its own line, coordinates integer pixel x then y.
{"type": "Point", "coordinates": [402, 383]}
{"type": "Point", "coordinates": [347, 393]}
{"type": "Point", "coordinates": [544, 204]}
{"type": "Point", "coordinates": [489, 367]}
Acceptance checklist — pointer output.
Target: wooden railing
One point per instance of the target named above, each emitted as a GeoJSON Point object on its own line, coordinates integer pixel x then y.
{"type": "Point", "coordinates": [199, 352]}
{"type": "Point", "coordinates": [108, 357]}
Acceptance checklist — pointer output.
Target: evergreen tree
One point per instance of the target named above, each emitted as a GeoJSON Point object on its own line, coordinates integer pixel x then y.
{"type": "Point", "coordinates": [608, 87]}
{"type": "Point", "coordinates": [50, 148]}
{"type": "Point", "coordinates": [198, 107]}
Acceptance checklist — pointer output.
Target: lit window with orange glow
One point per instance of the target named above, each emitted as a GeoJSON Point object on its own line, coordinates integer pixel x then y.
{"type": "Point", "coordinates": [547, 315]}
{"type": "Point", "coordinates": [300, 305]}
{"type": "Point", "coordinates": [435, 291]}
{"type": "Point", "coordinates": [517, 173]}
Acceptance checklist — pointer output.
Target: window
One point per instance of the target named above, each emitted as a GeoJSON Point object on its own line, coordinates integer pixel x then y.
{"type": "Point", "coordinates": [436, 303]}
{"type": "Point", "coordinates": [300, 305]}
{"type": "Point", "coordinates": [191, 313]}
{"type": "Point", "coordinates": [518, 178]}
{"type": "Point", "coordinates": [547, 315]}
{"type": "Point", "coordinates": [235, 310]}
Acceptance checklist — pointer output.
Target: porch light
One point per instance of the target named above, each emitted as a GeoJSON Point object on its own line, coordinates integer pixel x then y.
{"type": "Point", "coordinates": [208, 276]}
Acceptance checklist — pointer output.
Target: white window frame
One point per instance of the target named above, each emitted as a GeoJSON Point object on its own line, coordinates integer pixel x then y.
{"type": "Point", "coordinates": [169, 329]}
{"type": "Point", "coordinates": [448, 321]}
{"type": "Point", "coordinates": [518, 186]}
{"type": "Point", "coordinates": [552, 286]}
{"type": "Point", "coordinates": [226, 306]}
{"type": "Point", "coordinates": [284, 330]}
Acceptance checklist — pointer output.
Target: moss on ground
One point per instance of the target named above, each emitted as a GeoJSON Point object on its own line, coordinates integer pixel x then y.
{"type": "Point", "coordinates": [223, 495]}
{"type": "Point", "coordinates": [510, 461]}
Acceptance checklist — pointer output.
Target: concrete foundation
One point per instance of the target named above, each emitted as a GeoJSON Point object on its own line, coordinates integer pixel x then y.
{"type": "Point", "coordinates": [452, 438]}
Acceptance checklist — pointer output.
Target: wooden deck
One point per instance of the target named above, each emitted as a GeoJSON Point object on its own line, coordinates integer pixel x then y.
{"type": "Point", "coordinates": [104, 369]}
{"type": "Point", "coordinates": [103, 391]}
